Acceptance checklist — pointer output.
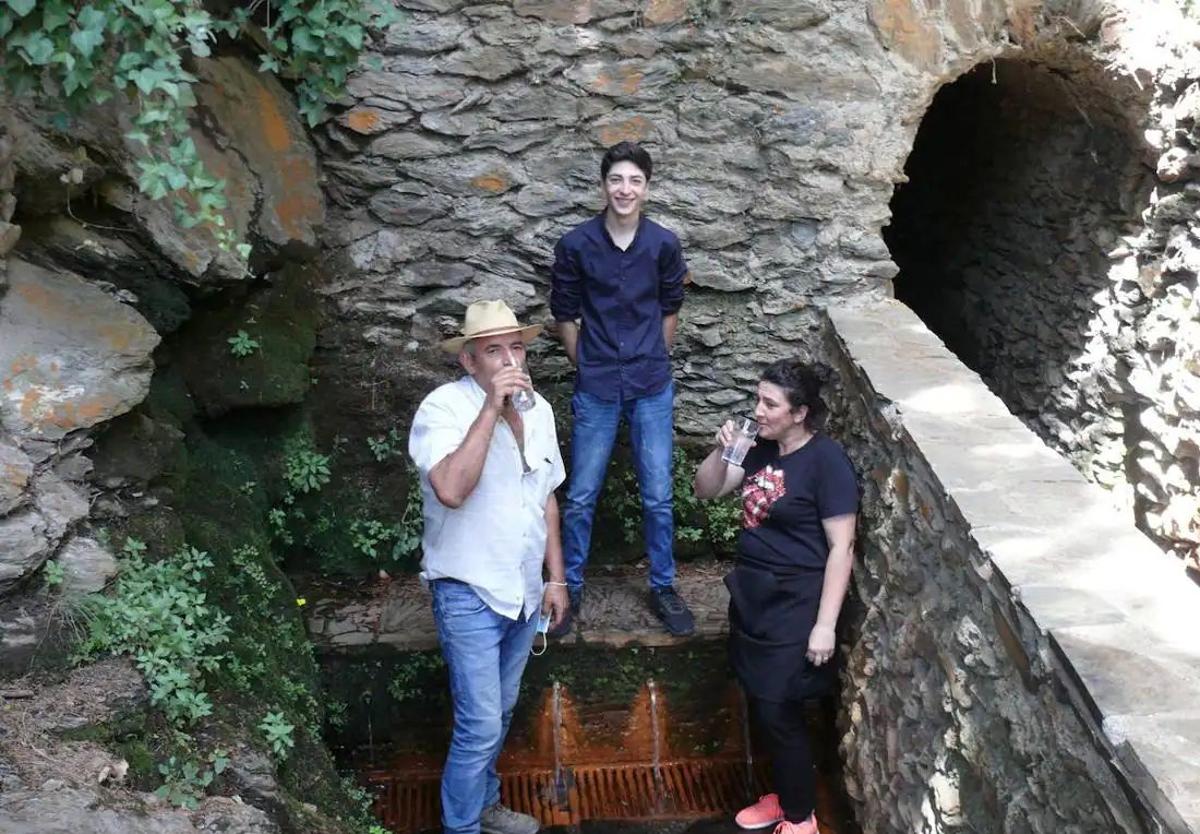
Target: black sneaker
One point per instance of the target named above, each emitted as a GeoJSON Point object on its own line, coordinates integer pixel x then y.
{"type": "Point", "coordinates": [669, 607]}
{"type": "Point", "coordinates": [575, 595]}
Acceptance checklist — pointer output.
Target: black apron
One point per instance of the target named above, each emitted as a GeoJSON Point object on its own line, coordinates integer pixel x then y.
{"type": "Point", "coordinates": [770, 618]}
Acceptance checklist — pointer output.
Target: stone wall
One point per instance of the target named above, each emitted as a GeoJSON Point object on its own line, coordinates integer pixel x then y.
{"type": "Point", "coordinates": [1154, 277]}
{"type": "Point", "coordinates": [778, 131]}
{"type": "Point", "coordinates": [1020, 658]}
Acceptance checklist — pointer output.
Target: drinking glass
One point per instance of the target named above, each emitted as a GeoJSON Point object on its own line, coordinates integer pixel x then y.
{"type": "Point", "coordinates": [522, 398]}
{"type": "Point", "coordinates": [745, 432]}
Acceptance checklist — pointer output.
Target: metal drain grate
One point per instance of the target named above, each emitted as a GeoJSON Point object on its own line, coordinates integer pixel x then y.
{"type": "Point", "coordinates": [409, 802]}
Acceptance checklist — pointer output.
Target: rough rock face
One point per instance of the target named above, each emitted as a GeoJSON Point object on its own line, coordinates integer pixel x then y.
{"type": "Point", "coordinates": [72, 357]}
{"type": "Point", "coordinates": [273, 146]}
{"type": "Point", "coordinates": [58, 788]}
{"type": "Point", "coordinates": [246, 131]}
{"type": "Point", "coordinates": [80, 810]}
{"type": "Point", "coordinates": [97, 280]}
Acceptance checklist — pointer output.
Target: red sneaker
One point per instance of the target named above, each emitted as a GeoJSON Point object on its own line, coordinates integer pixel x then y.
{"type": "Point", "coordinates": [809, 826]}
{"type": "Point", "coordinates": [762, 814]}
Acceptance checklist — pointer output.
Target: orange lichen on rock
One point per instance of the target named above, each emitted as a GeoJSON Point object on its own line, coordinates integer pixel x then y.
{"type": "Point", "coordinates": [274, 125]}
{"type": "Point", "coordinates": [493, 182]}
{"type": "Point", "coordinates": [362, 119]}
{"type": "Point", "coordinates": [635, 129]}
{"type": "Point", "coordinates": [659, 12]}
{"type": "Point", "coordinates": [904, 29]}
{"type": "Point", "coordinates": [299, 204]}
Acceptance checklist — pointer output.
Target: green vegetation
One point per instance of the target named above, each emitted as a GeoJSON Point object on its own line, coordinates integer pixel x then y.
{"type": "Point", "coordinates": [340, 525]}
{"type": "Point", "coordinates": [53, 574]}
{"type": "Point", "coordinates": [159, 615]}
{"type": "Point", "coordinates": [412, 678]}
{"type": "Point", "coordinates": [703, 527]}
{"type": "Point", "coordinates": [304, 468]}
{"type": "Point", "coordinates": [77, 55]}
{"type": "Point", "coordinates": [388, 446]}
{"type": "Point", "coordinates": [185, 782]}
{"type": "Point", "coordinates": [278, 733]}
{"type": "Point", "coordinates": [242, 344]}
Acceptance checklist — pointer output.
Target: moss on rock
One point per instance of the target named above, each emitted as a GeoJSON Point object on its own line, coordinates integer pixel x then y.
{"type": "Point", "coordinates": [279, 323]}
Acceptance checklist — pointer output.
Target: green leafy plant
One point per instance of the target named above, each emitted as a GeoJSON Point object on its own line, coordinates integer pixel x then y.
{"type": "Point", "coordinates": [337, 714]}
{"type": "Point", "coordinates": [386, 446]}
{"type": "Point", "coordinates": [304, 468]}
{"type": "Point", "coordinates": [317, 42]}
{"type": "Point", "coordinates": [406, 682]}
{"type": "Point", "coordinates": [184, 782]}
{"type": "Point", "coordinates": [242, 344]}
{"type": "Point", "coordinates": [78, 56]}
{"type": "Point", "coordinates": [53, 574]}
{"type": "Point", "coordinates": [159, 615]}
{"type": "Point", "coordinates": [278, 733]}
{"type": "Point", "coordinates": [412, 522]}
{"type": "Point", "coordinates": [367, 534]}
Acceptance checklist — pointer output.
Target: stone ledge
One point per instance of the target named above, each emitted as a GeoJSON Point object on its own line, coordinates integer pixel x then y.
{"type": "Point", "coordinates": [1120, 616]}
{"type": "Point", "coordinates": [397, 615]}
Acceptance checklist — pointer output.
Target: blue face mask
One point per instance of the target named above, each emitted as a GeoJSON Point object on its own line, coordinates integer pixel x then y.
{"type": "Point", "coordinates": [542, 627]}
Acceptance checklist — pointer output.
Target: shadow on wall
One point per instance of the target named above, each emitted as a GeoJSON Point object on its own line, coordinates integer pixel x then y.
{"type": "Point", "coordinates": [1021, 179]}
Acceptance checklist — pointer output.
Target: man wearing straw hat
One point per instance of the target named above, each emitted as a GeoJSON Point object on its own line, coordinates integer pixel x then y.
{"type": "Point", "coordinates": [488, 475]}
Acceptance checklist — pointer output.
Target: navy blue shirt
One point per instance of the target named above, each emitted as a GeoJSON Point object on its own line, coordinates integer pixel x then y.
{"type": "Point", "coordinates": [622, 297]}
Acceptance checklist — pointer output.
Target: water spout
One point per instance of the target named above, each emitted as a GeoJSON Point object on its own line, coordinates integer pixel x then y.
{"type": "Point", "coordinates": [561, 792]}
{"type": "Point", "coordinates": [370, 728]}
{"type": "Point", "coordinates": [656, 749]}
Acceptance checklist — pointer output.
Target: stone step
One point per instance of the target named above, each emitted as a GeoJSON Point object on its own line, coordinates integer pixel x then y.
{"type": "Point", "coordinates": [396, 612]}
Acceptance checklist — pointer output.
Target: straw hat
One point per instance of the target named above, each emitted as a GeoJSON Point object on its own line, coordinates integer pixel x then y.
{"type": "Point", "coordinates": [490, 318]}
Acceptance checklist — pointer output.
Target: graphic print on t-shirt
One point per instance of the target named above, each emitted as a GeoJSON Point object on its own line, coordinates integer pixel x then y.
{"type": "Point", "coordinates": [762, 490]}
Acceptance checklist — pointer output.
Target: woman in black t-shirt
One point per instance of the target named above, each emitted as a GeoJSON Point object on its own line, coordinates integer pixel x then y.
{"type": "Point", "coordinates": [794, 554]}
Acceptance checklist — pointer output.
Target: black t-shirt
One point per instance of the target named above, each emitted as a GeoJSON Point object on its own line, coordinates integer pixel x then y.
{"type": "Point", "coordinates": [785, 498]}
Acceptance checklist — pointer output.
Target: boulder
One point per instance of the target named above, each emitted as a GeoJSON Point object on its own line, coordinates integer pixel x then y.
{"type": "Point", "coordinates": [87, 566]}
{"type": "Point", "coordinates": [72, 356]}
{"type": "Point", "coordinates": [258, 116]}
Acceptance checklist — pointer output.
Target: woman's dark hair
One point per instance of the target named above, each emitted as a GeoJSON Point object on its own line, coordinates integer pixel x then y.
{"type": "Point", "coordinates": [626, 152]}
{"type": "Point", "coordinates": [801, 383]}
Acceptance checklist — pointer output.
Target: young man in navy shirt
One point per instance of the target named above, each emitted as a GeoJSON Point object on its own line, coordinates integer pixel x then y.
{"type": "Point", "coordinates": [617, 286]}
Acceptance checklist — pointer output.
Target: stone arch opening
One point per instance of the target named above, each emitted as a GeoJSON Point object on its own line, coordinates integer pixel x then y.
{"type": "Point", "coordinates": [1023, 176]}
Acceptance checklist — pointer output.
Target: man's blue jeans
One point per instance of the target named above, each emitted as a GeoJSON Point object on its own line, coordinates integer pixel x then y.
{"type": "Point", "coordinates": [651, 433]}
{"type": "Point", "coordinates": [486, 655]}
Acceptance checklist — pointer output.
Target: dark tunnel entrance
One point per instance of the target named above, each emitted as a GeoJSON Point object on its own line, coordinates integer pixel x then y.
{"type": "Point", "coordinates": [1021, 180]}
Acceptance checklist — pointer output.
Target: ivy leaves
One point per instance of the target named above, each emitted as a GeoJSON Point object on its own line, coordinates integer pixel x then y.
{"type": "Point", "coordinates": [317, 42]}
{"type": "Point", "coordinates": [21, 7]}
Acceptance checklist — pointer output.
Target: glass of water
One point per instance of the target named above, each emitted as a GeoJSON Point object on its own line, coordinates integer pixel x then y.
{"type": "Point", "coordinates": [522, 398]}
{"type": "Point", "coordinates": [745, 430]}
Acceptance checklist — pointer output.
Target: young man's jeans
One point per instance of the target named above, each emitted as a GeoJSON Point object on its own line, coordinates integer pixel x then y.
{"type": "Point", "coordinates": [651, 435]}
{"type": "Point", "coordinates": [486, 654]}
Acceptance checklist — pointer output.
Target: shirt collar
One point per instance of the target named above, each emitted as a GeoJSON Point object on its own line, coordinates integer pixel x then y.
{"type": "Point", "coordinates": [602, 230]}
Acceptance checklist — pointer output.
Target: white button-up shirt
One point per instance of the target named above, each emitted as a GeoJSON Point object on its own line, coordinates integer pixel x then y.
{"type": "Point", "coordinates": [496, 541]}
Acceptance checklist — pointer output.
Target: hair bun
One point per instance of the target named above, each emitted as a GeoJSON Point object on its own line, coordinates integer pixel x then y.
{"type": "Point", "coordinates": [823, 373]}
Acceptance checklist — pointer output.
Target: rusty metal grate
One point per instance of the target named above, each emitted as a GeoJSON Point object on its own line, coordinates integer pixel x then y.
{"type": "Point", "coordinates": [409, 802]}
